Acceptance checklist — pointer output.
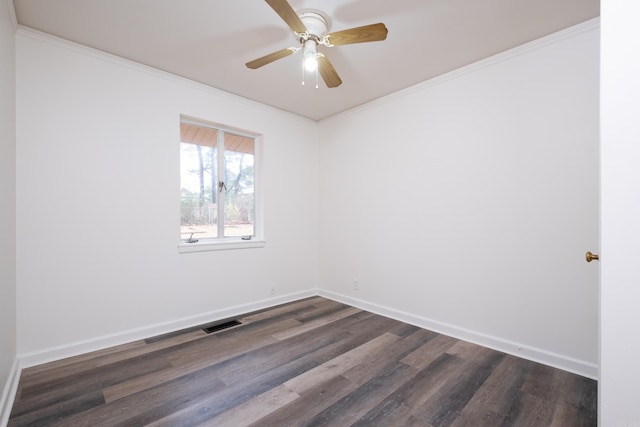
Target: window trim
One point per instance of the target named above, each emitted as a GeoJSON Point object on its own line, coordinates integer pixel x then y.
{"type": "Point", "coordinates": [230, 243]}
{"type": "Point", "coordinates": [223, 244]}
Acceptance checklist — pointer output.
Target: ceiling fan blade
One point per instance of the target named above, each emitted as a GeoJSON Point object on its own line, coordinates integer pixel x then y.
{"type": "Point", "coordinates": [268, 59]}
{"type": "Point", "coordinates": [367, 33]}
{"type": "Point", "coordinates": [328, 73]}
{"type": "Point", "coordinates": [288, 15]}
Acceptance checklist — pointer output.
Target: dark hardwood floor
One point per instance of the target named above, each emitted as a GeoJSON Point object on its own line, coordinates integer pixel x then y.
{"type": "Point", "coordinates": [313, 362]}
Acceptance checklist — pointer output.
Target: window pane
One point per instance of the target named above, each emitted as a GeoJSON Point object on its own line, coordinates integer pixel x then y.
{"type": "Point", "coordinates": [198, 182]}
{"type": "Point", "coordinates": [239, 209]}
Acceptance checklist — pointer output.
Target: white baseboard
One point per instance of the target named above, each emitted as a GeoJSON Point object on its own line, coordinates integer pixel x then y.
{"type": "Point", "coordinates": [560, 361]}
{"type": "Point", "coordinates": [99, 343]}
{"type": "Point", "coordinates": [9, 392]}
{"type": "Point", "coordinates": [555, 360]}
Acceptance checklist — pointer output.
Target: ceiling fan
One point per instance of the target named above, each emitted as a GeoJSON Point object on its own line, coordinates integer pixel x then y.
{"type": "Point", "coordinates": [311, 29]}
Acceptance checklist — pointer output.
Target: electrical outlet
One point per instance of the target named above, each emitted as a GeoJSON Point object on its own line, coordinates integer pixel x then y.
{"type": "Point", "coordinates": [356, 285]}
{"type": "Point", "coordinates": [272, 291]}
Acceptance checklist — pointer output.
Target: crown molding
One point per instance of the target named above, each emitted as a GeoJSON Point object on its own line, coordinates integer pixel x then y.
{"type": "Point", "coordinates": [12, 15]}
{"type": "Point", "coordinates": [155, 72]}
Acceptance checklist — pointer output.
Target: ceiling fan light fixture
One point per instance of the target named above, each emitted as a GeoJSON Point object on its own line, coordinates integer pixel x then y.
{"type": "Point", "coordinates": [310, 56]}
{"type": "Point", "coordinates": [311, 63]}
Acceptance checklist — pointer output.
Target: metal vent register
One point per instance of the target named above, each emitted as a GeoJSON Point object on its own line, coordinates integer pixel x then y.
{"type": "Point", "coordinates": [221, 326]}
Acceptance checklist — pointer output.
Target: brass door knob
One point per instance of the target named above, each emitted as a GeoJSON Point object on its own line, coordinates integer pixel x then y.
{"type": "Point", "coordinates": [590, 257]}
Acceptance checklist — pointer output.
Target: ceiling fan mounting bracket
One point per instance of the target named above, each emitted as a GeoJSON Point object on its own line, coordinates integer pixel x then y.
{"type": "Point", "coordinates": [317, 25]}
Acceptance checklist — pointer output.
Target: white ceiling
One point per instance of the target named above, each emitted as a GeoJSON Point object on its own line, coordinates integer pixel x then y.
{"type": "Point", "coordinates": [209, 41]}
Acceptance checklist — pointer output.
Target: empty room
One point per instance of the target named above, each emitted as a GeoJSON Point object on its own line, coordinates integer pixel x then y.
{"type": "Point", "coordinates": [335, 213]}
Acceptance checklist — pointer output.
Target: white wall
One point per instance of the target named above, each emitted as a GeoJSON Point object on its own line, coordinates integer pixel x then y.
{"type": "Point", "coordinates": [466, 204]}
{"type": "Point", "coordinates": [98, 203]}
{"type": "Point", "coordinates": [7, 202]}
{"type": "Point", "coordinates": [620, 283]}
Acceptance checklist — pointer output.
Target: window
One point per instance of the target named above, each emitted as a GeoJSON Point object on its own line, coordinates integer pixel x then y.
{"type": "Point", "coordinates": [218, 171]}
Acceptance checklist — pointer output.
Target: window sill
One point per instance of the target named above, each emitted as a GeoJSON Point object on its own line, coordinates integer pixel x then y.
{"type": "Point", "coordinates": [222, 245]}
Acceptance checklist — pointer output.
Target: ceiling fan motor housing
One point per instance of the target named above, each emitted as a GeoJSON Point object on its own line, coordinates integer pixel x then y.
{"type": "Point", "coordinates": [317, 25]}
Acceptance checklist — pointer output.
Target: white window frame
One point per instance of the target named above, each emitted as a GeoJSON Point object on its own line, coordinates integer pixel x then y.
{"type": "Point", "coordinates": [226, 243]}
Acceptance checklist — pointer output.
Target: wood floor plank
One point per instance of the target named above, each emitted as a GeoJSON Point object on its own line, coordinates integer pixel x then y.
{"type": "Point", "coordinates": [317, 346]}
{"type": "Point", "coordinates": [255, 409]}
{"type": "Point", "coordinates": [485, 418]}
{"type": "Point", "coordinates": [428, 352]}
{"type": "Point", "coordinates": [312, 362]}
{"type": "Point", "coordinates": [225, 345]}
{"type": "Point", "coordinates": [192, 360]}
{"type": "Point", "coordinates": [582, 394]}
{"type": "Point", "coordinates": [306, 327]}
{"type": "Point", "coordinates": [70, 387]}
{"type": "Point", "coordinates": [370, 367]}
{"type": "Point", "coordinates": [288, 309]}
{"type": "Point", "coordinates": [313, 400]}
{"type": "Point", "coordinates": [496, 396]}
{"type": "Point", "coordinates": [566, 415]}
{"type": "Point", "coordinates": [144, 407]}
{"type": "Point", "coordinates": [50, 366]}
{"type": "Point", "coordinates": [337, 366]}
{"type": "Point", "coordinates": [365, 398]}
{"type": "Point", "coordinates": [322, 309]}
{"type": "Point", "coordinates": [86, 363]}
{"type": "Point", "coordinates": [398, 405]}
{"type": "Point", "coordinates": [309, 352]}
{"type": "Point", "coordinates": [50, 414]}
{"type": "Point", "coordinates": [450, 400]}
{"type": "Point", "coordinates": [206, 407]}
{"type": "Point", "coordinates": [531, 410]}
{"type": "Point", "coordinates": [281, 361]}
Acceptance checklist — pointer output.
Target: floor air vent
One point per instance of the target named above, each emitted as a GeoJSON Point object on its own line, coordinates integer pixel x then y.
{"type": "Point", "coordinates": [221, 326]}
